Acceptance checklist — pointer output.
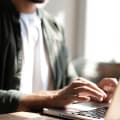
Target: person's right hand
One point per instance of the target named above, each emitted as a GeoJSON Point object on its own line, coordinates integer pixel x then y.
{"type": "Point", "coordinates": [80, 90]}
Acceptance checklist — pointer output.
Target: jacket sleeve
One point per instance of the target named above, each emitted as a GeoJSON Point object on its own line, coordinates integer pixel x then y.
{"type": "Point", "coordinates": [9, 101]}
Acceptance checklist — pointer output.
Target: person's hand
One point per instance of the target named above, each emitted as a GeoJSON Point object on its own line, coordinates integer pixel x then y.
{"type": "Point", "coordinates": [80, 90]}
{"type": "Point", "coordinates": [108, 85]}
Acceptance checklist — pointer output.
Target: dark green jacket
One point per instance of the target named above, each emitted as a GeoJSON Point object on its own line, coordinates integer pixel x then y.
{"type": "Point", "coordinates": [11, 54]}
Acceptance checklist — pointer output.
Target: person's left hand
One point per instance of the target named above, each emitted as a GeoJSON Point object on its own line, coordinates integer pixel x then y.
{"type": "Point", "coordinates": [108, 85]}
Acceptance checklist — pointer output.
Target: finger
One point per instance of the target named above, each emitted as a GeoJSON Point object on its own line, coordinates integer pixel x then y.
{"type": "Point", "coordinates": [89, 92]}
{"type": "Point", "coordinates": [108, 84]}
{"type": "Point", "coordinates": [110, 101]}
{"type": "Point", "coordinates": [108, 81]}
{"type": "Point", "coordinates": [82, 99]}
{"type": "Point", "coordinates": [76, 98]}
{"type": "Point", "coordinates": [92, 85]}
{"type": "Point", "coordinates": [109, 98]}
{"type": "Point", "coordinates": [109, 89]}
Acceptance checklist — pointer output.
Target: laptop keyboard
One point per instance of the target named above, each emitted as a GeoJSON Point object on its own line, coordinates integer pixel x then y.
{"type": "Point", "coordinates": [95, 113]}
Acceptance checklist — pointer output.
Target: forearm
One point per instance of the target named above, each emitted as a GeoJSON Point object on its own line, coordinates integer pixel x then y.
{"type": "Point", "coordinates": [9, 101]}
{"type": "Point", "coordinates": [37, 101]}
{"type": "Point", "coordinates": [12, 101]}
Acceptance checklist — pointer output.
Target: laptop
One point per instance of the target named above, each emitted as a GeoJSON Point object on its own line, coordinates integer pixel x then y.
{"type": "Point", "coordinates": [90, 110]}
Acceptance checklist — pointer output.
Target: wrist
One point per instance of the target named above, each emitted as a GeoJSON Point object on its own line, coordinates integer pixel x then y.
{"type": "Point", "coordinates": [37, 101]}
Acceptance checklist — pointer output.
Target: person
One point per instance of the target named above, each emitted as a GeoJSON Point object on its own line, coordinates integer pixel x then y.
{"type": "Point", "coordinates": [32, 49]}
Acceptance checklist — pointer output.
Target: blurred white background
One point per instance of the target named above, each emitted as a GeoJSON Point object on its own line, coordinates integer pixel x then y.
{"type": "Point", "coordinates": [92, 27]}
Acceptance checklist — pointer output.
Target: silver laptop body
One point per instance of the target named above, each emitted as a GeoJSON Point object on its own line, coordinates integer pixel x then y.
{"type": "Point", "coordinates": [80, 111]}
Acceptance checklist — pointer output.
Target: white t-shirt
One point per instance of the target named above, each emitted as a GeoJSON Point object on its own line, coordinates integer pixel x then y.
{"type": "Point", "coordinates": [35, 69]}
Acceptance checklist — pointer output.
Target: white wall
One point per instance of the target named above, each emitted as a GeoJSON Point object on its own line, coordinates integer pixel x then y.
{"type": "Point", "coordinates": [103, 30]}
